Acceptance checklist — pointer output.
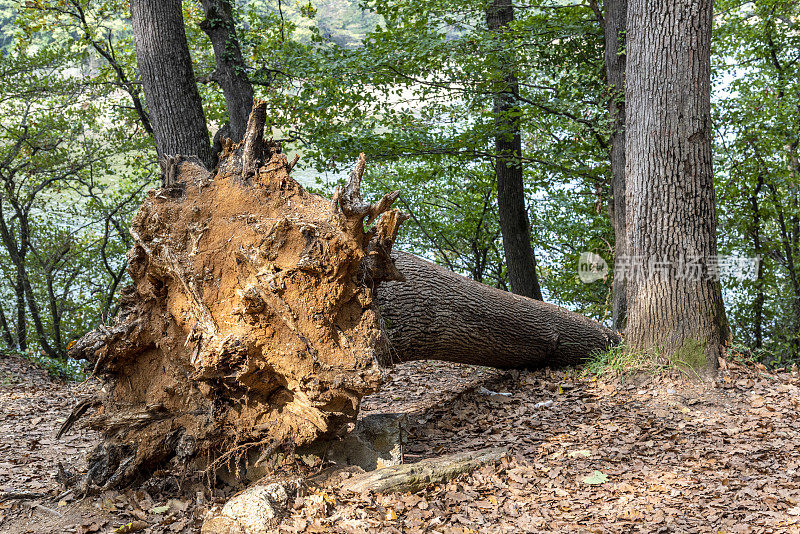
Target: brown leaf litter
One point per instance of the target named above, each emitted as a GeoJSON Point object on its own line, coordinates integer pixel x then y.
{"type": "Point", "coordinates": [641, 454]}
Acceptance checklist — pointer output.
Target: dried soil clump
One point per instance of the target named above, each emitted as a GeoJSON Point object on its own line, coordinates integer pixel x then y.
{"type": "Point", "coordinates": [251, 321]}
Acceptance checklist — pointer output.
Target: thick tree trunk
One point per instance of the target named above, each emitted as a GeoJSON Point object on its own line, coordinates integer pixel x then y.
{"type": "Point", "coordinates": [614, 36]}
{"type": "Point", "coordinates": [514, 223]}
{"type": "Point", "coordinates": [176, 111]}
{"type": "Point", "coordinates": [231, 73]}
{"type": "Point", "coordinates": [675, 300]}
{"type": "Point", "coordinates": [436, 314]}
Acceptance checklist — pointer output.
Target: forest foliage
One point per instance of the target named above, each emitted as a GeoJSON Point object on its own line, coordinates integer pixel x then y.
{"type": "Point", "coordinates": [410, 84]}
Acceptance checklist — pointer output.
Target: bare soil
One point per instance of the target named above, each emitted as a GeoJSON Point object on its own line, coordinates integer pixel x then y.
{"type": "Point", "coordinates": [640, 454]}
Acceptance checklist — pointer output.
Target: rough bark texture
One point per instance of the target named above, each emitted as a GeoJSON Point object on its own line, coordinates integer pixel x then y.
{"type": "Point", "coordinates": [670, 187]}
{"type": "Point", "coordinates": [251, 320]}
{"type": "Point", "coordinates": [436, 314]}
{"type": "Point", "coordinates": [514, 223]}
{"type": "Point", "coordinates": [755, 235]}
{"type": "Point", "coordinates": [417, 476]}
{"type": "Point", "coordinates": [165, 66]}
{"type": "Point", "coordinates": [614, 36]}
{"type": "Point", "coordinates": [231, 73]}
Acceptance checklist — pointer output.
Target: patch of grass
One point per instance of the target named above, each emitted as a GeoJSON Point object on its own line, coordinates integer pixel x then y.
{"type": "Point", "coordinates": [621, 360]}
{"type": "Point", "coordinates": [691, 354]}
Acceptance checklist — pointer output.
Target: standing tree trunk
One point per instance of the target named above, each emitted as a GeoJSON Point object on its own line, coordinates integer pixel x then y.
{"type": "Point", "coordinates": [22, 333]}
{"type": "Point", "coordinates": [231, 74]}
{"type": "Point", "coordinates": [514, 224]}
{"type": "Point", "coordinates": [675, 299]}
{"type": "Point", "coordinates": [176, 112]}
{"type": "Point", "coordinates": [8, 337]}
{"type": "Point", "coordinates": [755, 234]}
{"type": "Point", "coordinates": [614, 36]}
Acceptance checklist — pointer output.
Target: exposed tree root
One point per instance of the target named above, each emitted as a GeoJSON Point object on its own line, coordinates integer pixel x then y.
{"type": "Point", "coordinates": [251, 320]}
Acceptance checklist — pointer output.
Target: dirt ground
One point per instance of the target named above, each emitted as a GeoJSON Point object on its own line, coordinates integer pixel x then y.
{"type": "Point", "coordinates": [644, 454]}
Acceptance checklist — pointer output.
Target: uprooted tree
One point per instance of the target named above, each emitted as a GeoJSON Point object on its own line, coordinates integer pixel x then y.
{"type": "Point", "coordinates": [261, 314]}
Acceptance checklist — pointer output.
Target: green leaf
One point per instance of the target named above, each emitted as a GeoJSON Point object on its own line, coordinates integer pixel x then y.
{"type": "Point", "coordinates": [596, 478]}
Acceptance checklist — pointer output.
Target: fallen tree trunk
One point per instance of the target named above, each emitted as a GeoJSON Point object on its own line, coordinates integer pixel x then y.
{"type": "Point", "coordinates": [436, 314]}
{"type": "Point", "coordinates": [252, 318]}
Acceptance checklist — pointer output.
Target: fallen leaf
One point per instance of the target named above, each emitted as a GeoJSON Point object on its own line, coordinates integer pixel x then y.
{"type": "Point", "coordinates": [134, 526]}
{"type": "Point", "coordinates": [596, 477]}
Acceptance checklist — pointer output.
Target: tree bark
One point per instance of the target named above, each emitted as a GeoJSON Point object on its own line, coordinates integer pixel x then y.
{"type": "Point", "coordinates": [417, 476]}
{"type": "Point", "coordinates": [514, 223]}
{"type": "Point", "coordinates": [614, 37]}
{"type": "Point", "coordinates": [755, 234]}
{"type": "Point", "coordinates": [162, 53]}
{"type": "Point", "coordinates": [22, 331]}
{"type": "Point", "coordinates": [8, 337]}
{"type": "Point", "coordinates": [231, 73]}
{"type": "Point", "coordinates": [16, 252]}
{"type": "Point", "coordinates": [673, 307]}
{"type": "Point", "coordinates": [436, 314]}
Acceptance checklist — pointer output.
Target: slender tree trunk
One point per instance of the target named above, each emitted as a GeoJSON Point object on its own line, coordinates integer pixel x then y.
{"type": "Point", "coordinates": [794, 233]}
{"type": "Point", "coordinates": [758, 302]}
{"type": "Point", "coordinates": [673, 306]}
{"type": "Point", "coordinates": [789, 253]}
{"type": "Point", "coordinates": [520, 259]}
{"type": "Point", "coordinates": [55, 315]}
{"type": "Point", "coordinates": [16, 254]}
{"type": "Point", "coordinates": [36, 317]}
{"type": "Point", "coordinates": [8, 337]}
{"type": "Point", "coordinates": [614, 36]}
{"type": "Point", "coordinates": [176, 112]}
{"type": "Point", "coordinates": [22, 330]}
{"type": "Point", "coordinates": [231, 74]}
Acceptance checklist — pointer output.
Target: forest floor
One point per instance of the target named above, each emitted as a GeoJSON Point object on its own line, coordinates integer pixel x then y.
{"type": "Point", "coordinates": [644, 453]}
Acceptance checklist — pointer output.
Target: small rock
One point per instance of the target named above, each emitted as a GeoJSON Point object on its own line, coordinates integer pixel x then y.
{"type": "Point", "coordinates": [253, 511]}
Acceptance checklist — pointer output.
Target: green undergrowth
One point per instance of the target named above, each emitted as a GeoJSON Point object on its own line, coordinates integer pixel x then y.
{"type": "Point", "coordinates": [689, 359]}
{"type": "Point", "coordinates": [56, 368]}
{"type": "Point", "coordinates": [621, 360]}
{"type": "Point", "coordinates": [772, 357]}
